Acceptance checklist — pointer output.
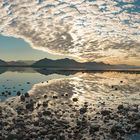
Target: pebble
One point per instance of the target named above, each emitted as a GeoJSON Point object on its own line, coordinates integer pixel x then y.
{"type": "Point", "coordinates": [22, 98]}
{"type": "Point", "coordinates": [83, 110]}
{"type": "Point", "coordinates": [75, 99]}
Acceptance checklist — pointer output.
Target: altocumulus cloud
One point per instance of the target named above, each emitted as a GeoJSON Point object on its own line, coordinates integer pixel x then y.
{"type": "Point", "coordinates": [100, 30]}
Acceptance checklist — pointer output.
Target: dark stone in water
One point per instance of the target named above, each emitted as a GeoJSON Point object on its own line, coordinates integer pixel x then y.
{"type": "Point", "coordinates": [30, 106]}
{"type": "Point", "coordinates": [36, 123]}
{"type": "Point", "coordinates": [28, 82]}
{"type": "Point", "coordinates": [12, 136]}
{"type": "Point", "coordinates": [137, 123]}
{"type": "Point", "coordinates": [116, 88]}
{"type": "Point", "coordinates": [75, 99]}
{"type": "Point", "coordinates": [105, 112]}
{"type": "Point", "coordinates": [45, 96]}
{"type": "Point", "coordinates": [3, 93]}
{"type": "Point", "coordinates": [117, 128]}
{"type": "Point", "coordinates": [83, 110]}
{"type": "Point", "coordinates": [55, 97]}
{"type": "Point", "coordinates": [43, 132]}
{"type": "Point", "coordinates": [47, 113]}
{"type": "Point", "coordinates": [18, 93]}
{"type": "Point", "coordinates": [9, 93]}
{"type": "Point", "coordinates": [94, 128]}
{"type": "Point", "coordinates": [62, 137]}
{"type": "Point", "coordinates": [45, 104]}
{"type": "Point", "coordinates": [120, 107]}
{"type": "Point", "coordinates": [22, 98]}
{"type": "Point", "coordinates": [27, 95]}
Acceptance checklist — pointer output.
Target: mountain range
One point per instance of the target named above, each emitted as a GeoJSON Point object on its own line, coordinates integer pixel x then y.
{"type": "Point", "coordinates": [66, 64]}
{"type": "Point", "coordinates": [2, 63]}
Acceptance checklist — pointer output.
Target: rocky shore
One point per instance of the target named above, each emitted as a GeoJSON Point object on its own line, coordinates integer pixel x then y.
{"type": "Point", "coordinates": [80, 108]}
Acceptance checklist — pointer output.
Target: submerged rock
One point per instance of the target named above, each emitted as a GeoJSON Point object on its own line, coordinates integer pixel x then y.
{"type": "Point", "coordinates": [93, 128]}
{"type": "Point", "coordinates": [18, 93]}
{"type": "Point", "coordinates": [120, 107]}
{"type": "Point", "coordinates": [22, 98]}
{"type": "Point", "coordinates": [27, 95]}
{"type": "Point", "coordinates": [105, 112]}
{"type": "Point", "coordinates": [137, 123]}
{"type": "Point", "coordinates": [83, 110]}
{"type": "Point", "coordinates": [75, 99]}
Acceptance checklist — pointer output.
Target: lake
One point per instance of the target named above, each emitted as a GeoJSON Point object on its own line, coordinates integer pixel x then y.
{"type": "Point", "coordinates": [69, 104]}
{"type": "Point", "coordinates": [13, 80]}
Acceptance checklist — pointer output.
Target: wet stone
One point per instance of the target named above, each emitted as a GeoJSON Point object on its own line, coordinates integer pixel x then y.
{"type": "Point", "coordinates": [45, 104]}
{"type": "Point", "coordinates": [83, 110]}
{"type": "Point", "coordinates": [120, 107]}
{"type": "Point", "coordinates": [22, 98]}
{"type": "Point", "coordinates": [18, 93]}
{"type": "Point", "coordinates": [137, 123]}
{"type": "Point", "coordinates": [105, 112]}
{"type": "Point", "coordinates": [45, 96]}
{"type": "Point", "coordinates": [75, 99]}
{"type": "Point", "coordinates": [94, 128]}
{"type": "Point", "coordinates": [27, 95]}
{"type": "Point", "coordinates": [30, 106]}
{"type": "Point", "coordinates": [47, 113]}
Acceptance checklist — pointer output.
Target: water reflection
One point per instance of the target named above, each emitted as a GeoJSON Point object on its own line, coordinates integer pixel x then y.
{"type": "Point", "coordinates": [100, 105]}
{"type": "Point", "coordinates": [17, 79]}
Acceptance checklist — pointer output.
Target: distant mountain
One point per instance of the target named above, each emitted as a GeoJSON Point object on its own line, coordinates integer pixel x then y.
{"type": "Point", "coordinates": [60, 63]}
{"type": "Point", "coordinates": [66, 64]}
{"type": "Point", "coordinates": [71, 64]}
{"type": "Point", "coordinates": [2, 63]}
{"type": "Point", "coordinates": [20, 63]}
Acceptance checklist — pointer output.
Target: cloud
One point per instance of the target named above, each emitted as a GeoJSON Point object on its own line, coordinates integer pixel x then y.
{"type": "Point", "coordinates": [91, 30]}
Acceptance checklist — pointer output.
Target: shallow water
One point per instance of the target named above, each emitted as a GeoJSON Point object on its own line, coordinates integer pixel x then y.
{"type": "Point", "coordinates": [22, 79]}
{"type": "Point", "coordinates": [73, 104]}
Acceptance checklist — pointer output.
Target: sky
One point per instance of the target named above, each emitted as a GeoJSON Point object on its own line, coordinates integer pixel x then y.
{"type": "Point", "coordinates": [12, 49]}
{"type": "Point", "coordinates": [89, 30]}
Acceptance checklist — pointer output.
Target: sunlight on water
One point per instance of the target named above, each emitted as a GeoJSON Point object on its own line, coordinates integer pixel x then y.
{"type": "Point", "coordinates": [105, 105]}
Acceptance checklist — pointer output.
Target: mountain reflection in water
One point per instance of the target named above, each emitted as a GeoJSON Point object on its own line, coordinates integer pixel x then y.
{"type": "Point", "coordinates": [94, 105]}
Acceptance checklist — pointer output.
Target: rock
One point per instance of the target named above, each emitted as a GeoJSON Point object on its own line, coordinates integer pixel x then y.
{"type": "Point", "coordinates": [55, 97]}
{"type": "Point", "coordinates": [105, 112]}
{"type": "Point", "coordinates": [9, 93]}
{"type": "Point", "coordinates": [47, 113]}
{"type": "Point", "coordinates": [94, 128]}
{"type": "Point", "coordinates": [18, 93]}
{"type": "Point", "coordinates": [43, 132]}
{"type": "Point", "coordinates": [117, 128]}
{"type": "Point", "coordinates": [45, 96]}
{"type": "Point", "coordinates": [116, 88]}
{"type": "Point", "coordinates": [36, 123]}
{"type": "Point", "coordinates": [12, 136]}
{"type": "Point", "coordinates": [62, 137]}
{"type": "Point", "coordinates": [22, 98]}
{"type": "Point", "coordinates": [120, 107]}
{"type": "Point", "coordinates": [75, 99]}
{"type": "Point", "coordinates": [27, 95]}
{"type": "Point", "coordinates": [137, 123]}
{"type": "Point", "coordinates": [83, 110]}
{"type": "Point", "coordinates": [45, 104]}
{"type": "Point", "coordinates": [30, 106]}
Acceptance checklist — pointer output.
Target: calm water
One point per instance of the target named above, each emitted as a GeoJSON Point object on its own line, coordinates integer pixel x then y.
{"type": "Point", "coordinates": [66, 94]}
{"type": "Point", "coordinates": [13, 80]}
